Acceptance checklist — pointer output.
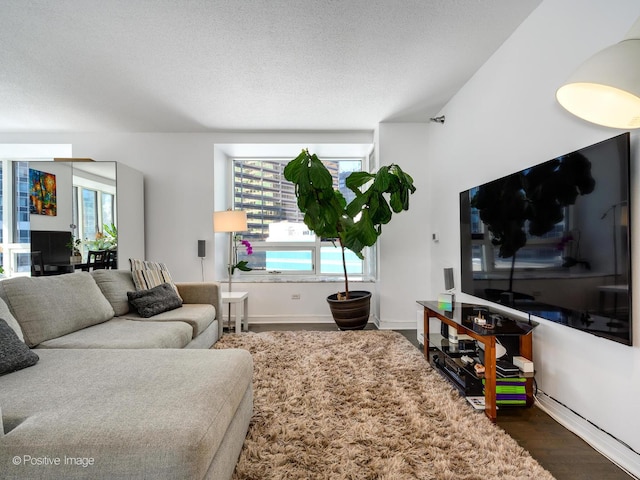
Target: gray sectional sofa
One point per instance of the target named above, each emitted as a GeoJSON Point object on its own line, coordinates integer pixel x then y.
{"type": "Point", "coordinates": [115, 395]}
{"type": "Point", "coordinates": [92, 310]}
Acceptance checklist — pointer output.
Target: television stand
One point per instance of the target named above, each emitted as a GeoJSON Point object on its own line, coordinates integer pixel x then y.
{"type": "Point", "coordinates": [461, 317]}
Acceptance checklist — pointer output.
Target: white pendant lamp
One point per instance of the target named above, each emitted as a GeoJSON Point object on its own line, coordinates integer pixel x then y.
{"type": "Point", "coordinates": [606, 88]}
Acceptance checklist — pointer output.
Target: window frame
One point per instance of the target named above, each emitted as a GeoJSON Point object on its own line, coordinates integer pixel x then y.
{"type": "Point", "coordinates": [315, 246]}
{"type": "Point", "coordinates": [99, 189]}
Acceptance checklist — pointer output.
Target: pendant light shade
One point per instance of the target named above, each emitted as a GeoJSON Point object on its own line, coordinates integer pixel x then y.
{"type": "Point", "coordinates": [606, 88]}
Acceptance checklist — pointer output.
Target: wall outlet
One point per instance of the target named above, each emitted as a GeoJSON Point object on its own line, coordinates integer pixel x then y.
{"type": "Point", "coordinates": [295, 296]}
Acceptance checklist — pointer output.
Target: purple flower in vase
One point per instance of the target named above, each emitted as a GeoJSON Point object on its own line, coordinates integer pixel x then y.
{"type": "Point", "coordinates": [248, 246]}
{"type": "Point", "coordinates": [242, 265]}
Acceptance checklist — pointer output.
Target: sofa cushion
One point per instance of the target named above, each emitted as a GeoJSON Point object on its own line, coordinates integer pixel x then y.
{"type": "Point", "coordinates": [155, 300]}
{"type": "Point", "coordinates": [114, 285]}
{"type": "Point", "coordinates": [198, 316]}
{"type": "Point", "coordinates": [148, 274]}
{"type": "Point", "coordinates": [122, 333]}
{"type": "Point", "coordinates": [49, 307]}
{"type": "Point", "coordinates": [6, 314]}
{"type": "Point", "coordinates": [14, 353]}
{"type": "Point", "coordinates": [146, 413]}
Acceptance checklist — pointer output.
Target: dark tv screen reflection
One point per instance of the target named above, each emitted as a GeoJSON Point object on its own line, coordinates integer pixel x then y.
{"type": "Point", "coordinates": [52, 244]}
{"type": "Point", "coordinates": [553, 240]}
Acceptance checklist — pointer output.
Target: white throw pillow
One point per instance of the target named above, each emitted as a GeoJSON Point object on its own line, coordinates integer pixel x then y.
{"type": "Point", "coordinates": [147, 274]}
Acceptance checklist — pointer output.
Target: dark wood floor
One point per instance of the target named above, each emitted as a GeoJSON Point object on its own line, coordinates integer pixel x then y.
{"type": "Point", "coordinates": [560, 451]}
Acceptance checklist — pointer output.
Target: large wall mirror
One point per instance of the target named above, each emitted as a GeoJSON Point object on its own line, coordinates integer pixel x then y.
{"type": "Point", "coordinates": [50, 207]}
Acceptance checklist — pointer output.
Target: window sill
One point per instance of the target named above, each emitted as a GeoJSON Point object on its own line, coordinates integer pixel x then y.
{"type": "Point", "coordinates": [297, 279]}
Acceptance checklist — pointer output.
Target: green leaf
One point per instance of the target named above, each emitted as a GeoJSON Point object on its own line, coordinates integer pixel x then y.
{"type": "Point", "coordinates": [339, 198]}
{"type": "Point", "coordinates": [362, 234]}
{"type": "Point", "coordinates": [379, 210]}
{"type": "Point", "coordinates": [357, 204]}
{"type": "Point", "coordinates": [396, 201]}
{"type": "Point", "coordinates": [242, 265]}
{"type": "Point", "coordinates": [319, 175]}
{"type": "Point", "coordinates": [356, 179]}
{"type": "Point", "coordinates": [294, 167]}
{"type": "Point", "coordinates": [382, 180]}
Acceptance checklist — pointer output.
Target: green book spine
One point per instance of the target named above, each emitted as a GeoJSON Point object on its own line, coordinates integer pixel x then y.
{"type": "Point", "coordinates": [502, 389]}
{"type": "Point", "coordinates": [511, 379]}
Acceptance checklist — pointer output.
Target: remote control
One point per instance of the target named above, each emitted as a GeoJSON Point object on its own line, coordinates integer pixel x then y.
{"type": "Point", "coordinates": [466, 359]}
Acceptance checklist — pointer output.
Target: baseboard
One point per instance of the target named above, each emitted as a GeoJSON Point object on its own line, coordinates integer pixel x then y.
{"type": "Point", "coordinates": [306, 319]}
{"type": "Point", "coordinates": [616, 451]}
{"type": "Point", "coordinates": [386, 325]}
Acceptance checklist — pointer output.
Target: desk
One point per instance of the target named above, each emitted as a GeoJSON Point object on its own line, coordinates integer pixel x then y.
{"type": "Point", "coordinates": [241, 302]}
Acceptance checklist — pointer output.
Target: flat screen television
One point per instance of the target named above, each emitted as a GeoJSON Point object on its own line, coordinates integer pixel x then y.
{"type": "Point", "coordinates": [52, 244]}
{"type": "Point", "coordinates": [553, 240]}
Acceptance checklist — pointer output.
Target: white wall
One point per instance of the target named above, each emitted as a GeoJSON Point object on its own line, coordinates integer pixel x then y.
{"type": "Point", "coordinates": [506, 118]}
{"type": "Point", "coordinates": [403, 256]}
{"type": "Point", "coordinates": [182, 188]}
{"type": "Point", "coordinates": [130, 215]}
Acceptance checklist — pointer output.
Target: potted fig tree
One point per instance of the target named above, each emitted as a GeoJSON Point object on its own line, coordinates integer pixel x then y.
{"type": "Point", "coordinates": [354, 225]}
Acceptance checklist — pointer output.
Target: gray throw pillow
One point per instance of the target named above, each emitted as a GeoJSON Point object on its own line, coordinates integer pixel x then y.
{"type": "Point", "coordinates": [14, 353]}
{"type": "Point", "coordinates": [155, 300]}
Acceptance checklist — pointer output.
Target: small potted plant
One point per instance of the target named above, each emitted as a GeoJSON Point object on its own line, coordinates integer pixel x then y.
{"type": "Point", "coordinates": [74, 246]}
{"type": "Point", "coordinates": [107, 239]}
{"type": "Point", "coordinates": [355, 225]}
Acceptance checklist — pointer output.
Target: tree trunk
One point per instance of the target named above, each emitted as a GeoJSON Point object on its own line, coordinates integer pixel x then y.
{"type": "Point", "coordinates": [344, 267]}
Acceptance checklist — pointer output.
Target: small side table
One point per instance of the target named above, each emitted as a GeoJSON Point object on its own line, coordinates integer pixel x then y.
{"type": "Point", "coordinates": [241, 302]}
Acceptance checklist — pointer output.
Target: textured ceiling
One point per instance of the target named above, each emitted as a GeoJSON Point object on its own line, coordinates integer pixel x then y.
{"type": "Point", "coordinates": [253, 65]}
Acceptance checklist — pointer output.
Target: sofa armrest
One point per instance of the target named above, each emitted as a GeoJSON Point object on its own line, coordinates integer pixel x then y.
{"type": "Point", "coordinates": [203, 293]}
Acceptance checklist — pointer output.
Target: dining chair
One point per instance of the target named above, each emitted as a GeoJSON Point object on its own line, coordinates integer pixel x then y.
{"type": "Point", "coordinates": [96, 260]}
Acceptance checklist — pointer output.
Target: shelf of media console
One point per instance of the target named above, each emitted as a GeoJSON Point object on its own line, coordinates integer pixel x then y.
{"type": "Point", "coordinates": [442, 345]}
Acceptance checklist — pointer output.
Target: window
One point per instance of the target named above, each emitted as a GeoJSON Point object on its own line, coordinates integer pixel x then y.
{"type": "Point", "coordinates": [20, 233]}
{"type": "Point", "coordinates": [92, 209]}
{"type": "Point", "coordinates": [281, 242]}
{"type": "Point", "coordinates": [22, 221]}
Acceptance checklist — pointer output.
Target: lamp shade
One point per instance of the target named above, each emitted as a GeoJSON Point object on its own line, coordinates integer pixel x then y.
{"type": "Point", "coordinates": [230, 221]}
{"type": "Point", "coordinates": [606, 88]}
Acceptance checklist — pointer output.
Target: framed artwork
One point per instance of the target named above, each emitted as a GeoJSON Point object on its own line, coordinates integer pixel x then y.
{"type": "Point", "coordinates": [42, 193]}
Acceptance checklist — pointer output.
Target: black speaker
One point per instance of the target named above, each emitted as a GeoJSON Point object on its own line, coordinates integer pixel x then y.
{"type": "Point", "coordinates": [444, 330]}
{"type": "Point", "coordinates": [201, 249]}
{"type": "Point", "coordinates": [448, 278]}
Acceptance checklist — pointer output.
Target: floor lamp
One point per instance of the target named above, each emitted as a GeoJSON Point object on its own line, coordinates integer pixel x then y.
{"type": "Point", "coordinates": [230, 221]}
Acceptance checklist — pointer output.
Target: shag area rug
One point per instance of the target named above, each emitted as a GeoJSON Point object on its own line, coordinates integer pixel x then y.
{"type": "Point", "coordinates": [364, 405]}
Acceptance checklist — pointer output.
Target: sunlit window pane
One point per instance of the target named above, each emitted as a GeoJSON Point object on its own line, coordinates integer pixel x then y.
{"type": "Point", "coordinates": [279, 260]}
{"type": "Point", "coordinates": [90, 213]}
{"type": "Point", "coordinates": [331, 262]}
{"type": "Point", "coordinates": [107, 208]}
